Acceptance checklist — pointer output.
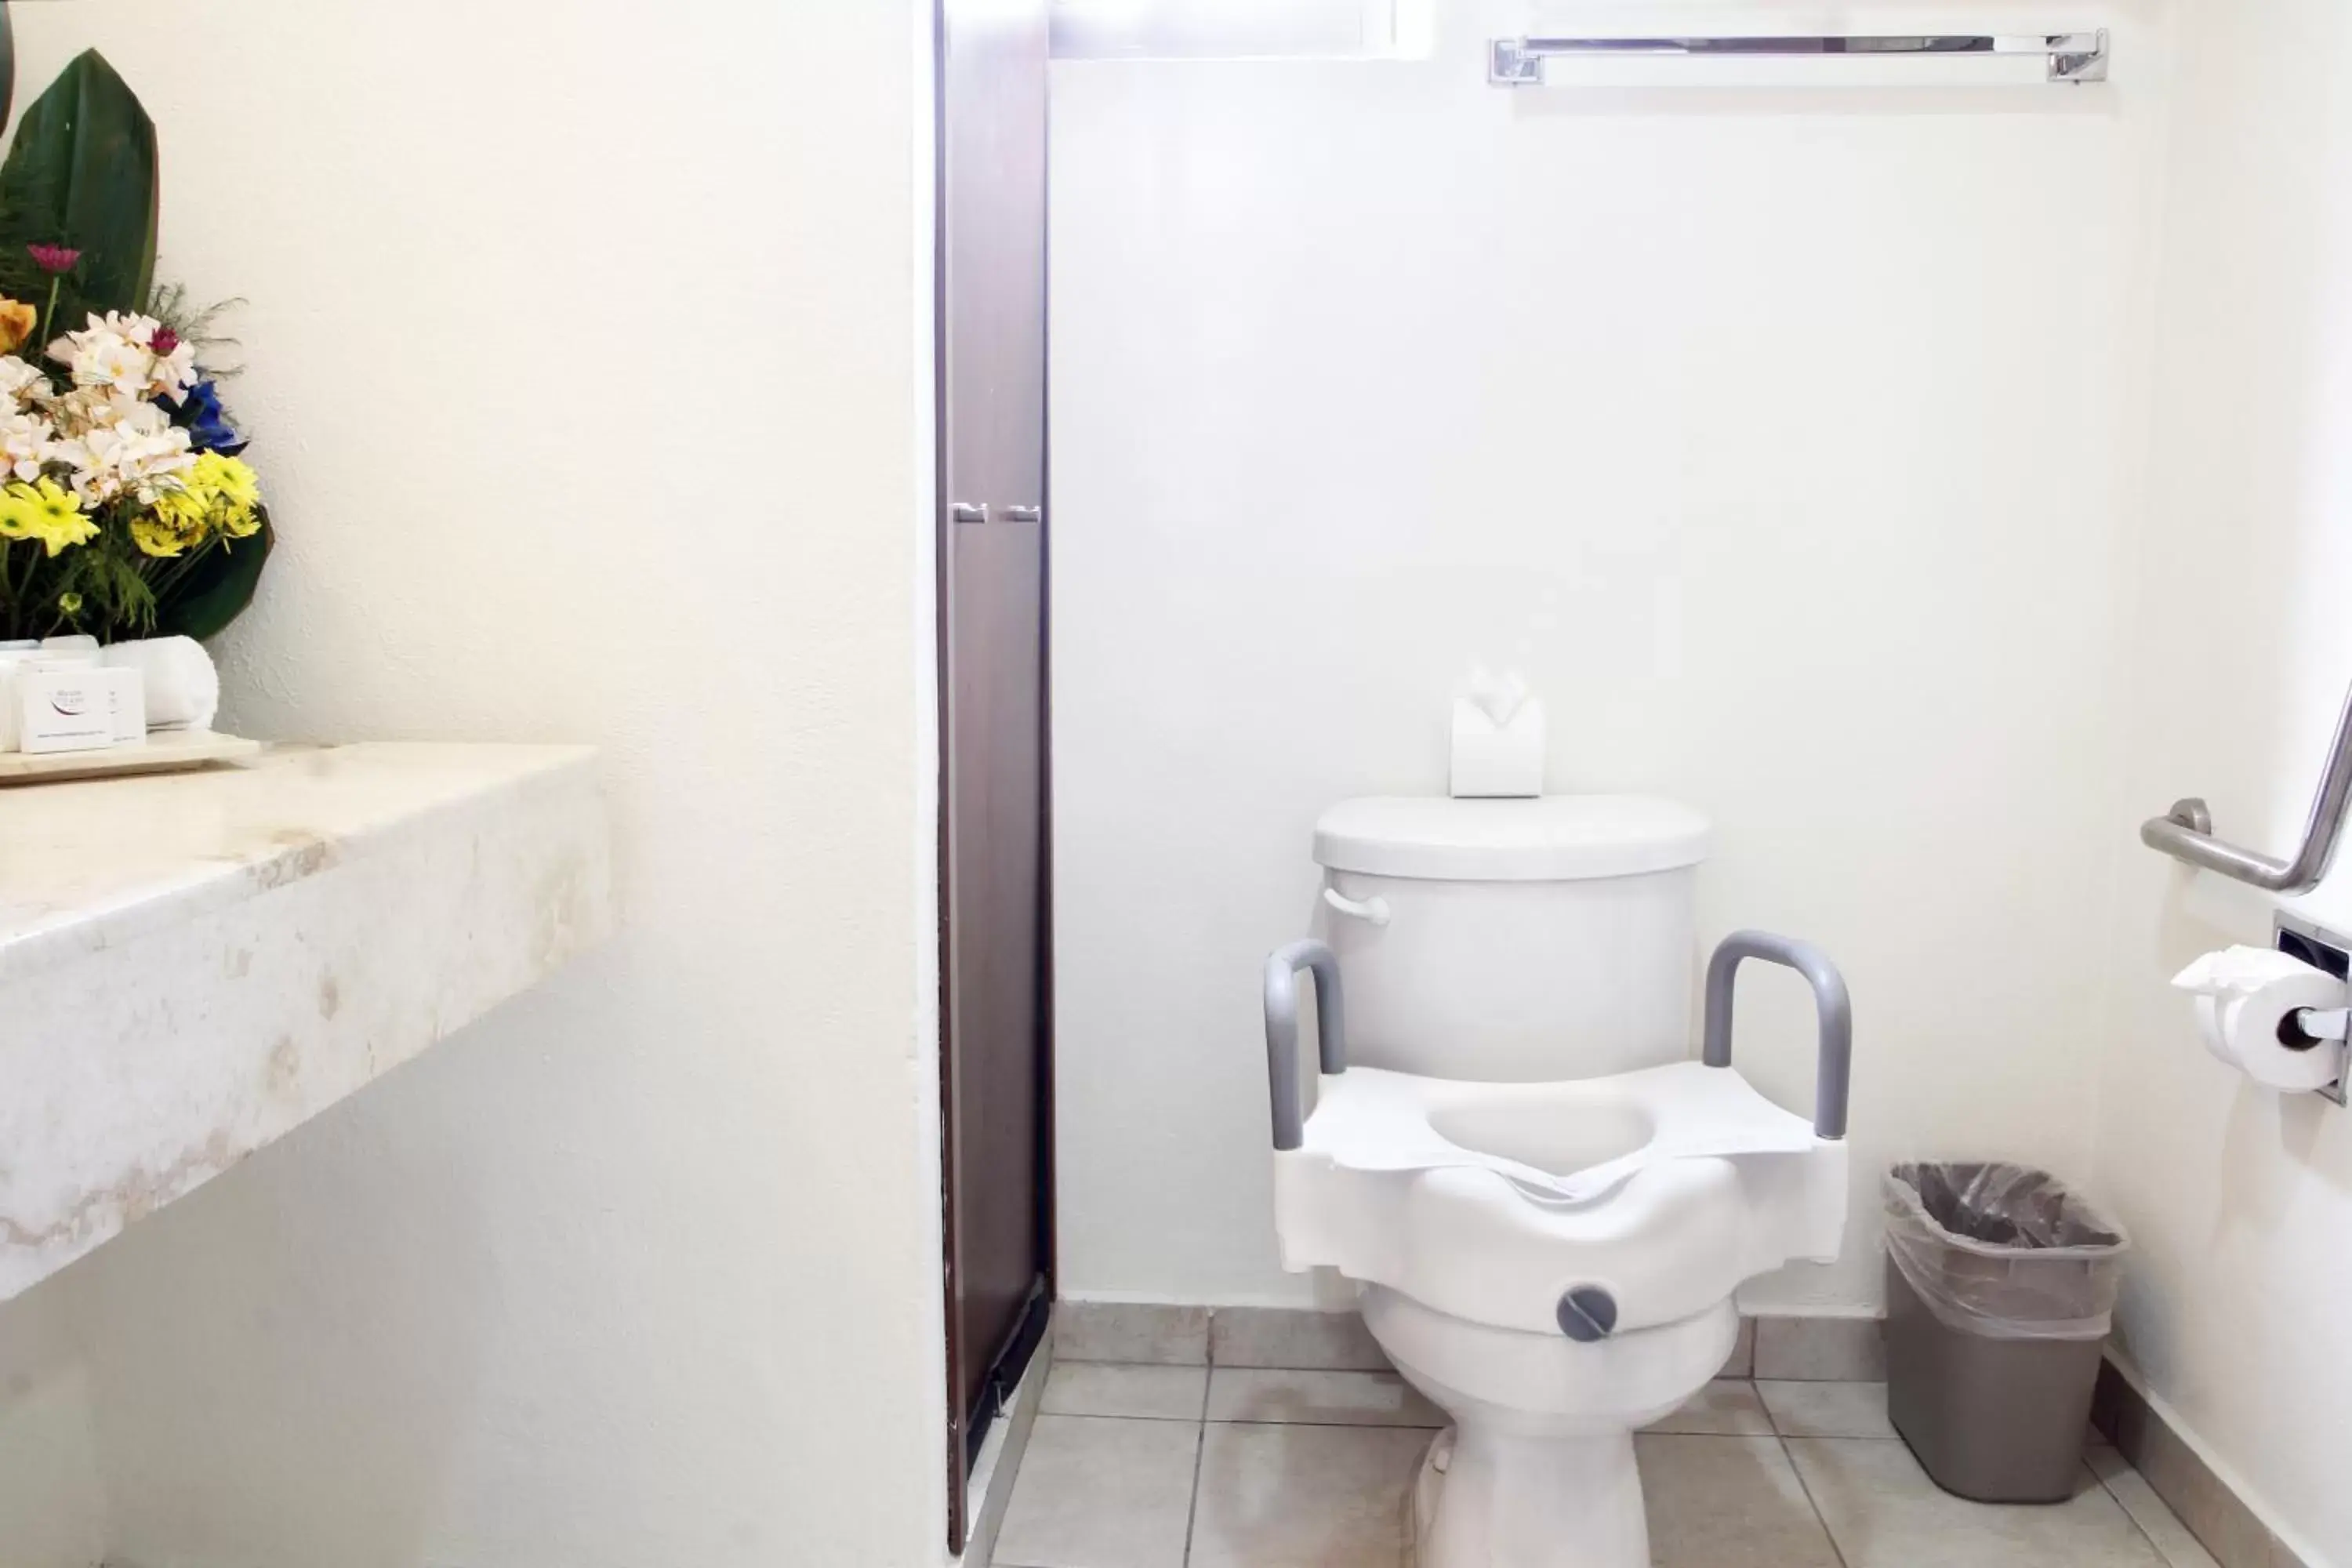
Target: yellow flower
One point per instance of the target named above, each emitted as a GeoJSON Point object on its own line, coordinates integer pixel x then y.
{"type": "Point", "coordinates": [44, 512]}
{"type": "Point", "coordinates": [178, 520]}
{"type": "Point", "coordinates": [17, 321]}
{"type": "Point", "coordinates": [226, 479]}
{"type": "Point", "coordinates": [222, 493]}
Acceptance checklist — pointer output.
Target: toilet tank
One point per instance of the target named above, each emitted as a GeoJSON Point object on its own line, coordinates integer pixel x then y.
{"type": "Point", "coordinates": [1524, 941]}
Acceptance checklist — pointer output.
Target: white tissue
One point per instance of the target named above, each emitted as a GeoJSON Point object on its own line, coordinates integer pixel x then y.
{"type": "Point", "coordinates": [1498, 738]}
{"type": "Point", "coordinates": [2245, 994]}
{"type": "Point", "coordinates": [1498, 697]}
{"type": "Point", "coordinates": [182, 687]}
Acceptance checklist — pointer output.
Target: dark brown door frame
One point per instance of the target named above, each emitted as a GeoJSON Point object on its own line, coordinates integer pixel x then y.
{"type": "Point", "coordinates": [963, 1433]}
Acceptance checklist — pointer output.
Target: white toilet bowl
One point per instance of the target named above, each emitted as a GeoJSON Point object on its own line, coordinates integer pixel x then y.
{"type": "Point", "coordinates": [1546, 1216]}
{"type": "Point", "coordinates": [1538, 1468]}
{"type": "Point", "coordinates": [1551, 1308]}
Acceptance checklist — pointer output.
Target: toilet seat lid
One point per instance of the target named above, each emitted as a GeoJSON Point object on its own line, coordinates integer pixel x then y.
{"type": "Point", "coordinates": [1551, 839]}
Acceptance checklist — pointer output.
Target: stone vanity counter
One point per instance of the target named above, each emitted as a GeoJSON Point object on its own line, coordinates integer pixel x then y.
{"type": "Point", "coordinates": [192, 964]}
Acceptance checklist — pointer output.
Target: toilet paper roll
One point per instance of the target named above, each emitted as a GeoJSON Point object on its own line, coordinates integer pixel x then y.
{"type": "Point", "coordinates": [2247, 998]}
{"type": "Point", "coordinates": [182, 687]}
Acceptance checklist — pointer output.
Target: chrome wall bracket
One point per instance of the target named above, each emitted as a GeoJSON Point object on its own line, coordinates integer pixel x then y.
{"type": "Point", "coordinates": [2186, 832]}
{"type": "Point", "coordinates": [2074, 57]}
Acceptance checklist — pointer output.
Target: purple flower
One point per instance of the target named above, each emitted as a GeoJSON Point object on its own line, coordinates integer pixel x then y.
{"type": "Point", "coordinates": [53, 259]}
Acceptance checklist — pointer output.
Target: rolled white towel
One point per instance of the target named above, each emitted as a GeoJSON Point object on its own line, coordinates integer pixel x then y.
{"type": "Point", "coordinates": [182, 687]}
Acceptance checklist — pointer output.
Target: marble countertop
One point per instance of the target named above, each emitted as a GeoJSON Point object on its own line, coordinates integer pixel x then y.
{"type": "Point", "coordinates": [87, 864]}
{"type": "Point", "coordinates": [190, 964]}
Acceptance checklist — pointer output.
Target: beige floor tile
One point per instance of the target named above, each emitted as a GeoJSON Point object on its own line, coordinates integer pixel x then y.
{"type": "Point", "coordinates": [1728, 1502]}
{"type": "Point", "coordinates": [1130, 1331]}
{"type": "Point", "coordinates": [1294, 1337]}
{"type": "Point", "coordinates": [1827, 1409]}
{"type": "Point", "coordinates": [1303, 1496]}
{"type": "Point", "coordinates": [1097, 1492]}
{"type": "Point", "coordinates": [2158, 1523]}
{"type": "Point", "coordinates": [1319, 1398]}
{"type": "Point", "coordinates": [1726, 1407]}
{"type": "Point", "coordinates": [1111, 1388]}
{"type": "Point", "coordinates": [1884, 1512]}
{"type": "Point", "coordinates": [1815, 1350]}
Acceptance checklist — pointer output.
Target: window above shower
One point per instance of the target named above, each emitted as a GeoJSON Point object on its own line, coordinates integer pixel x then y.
{"type": "Point", "coordinates": [1242, 29]}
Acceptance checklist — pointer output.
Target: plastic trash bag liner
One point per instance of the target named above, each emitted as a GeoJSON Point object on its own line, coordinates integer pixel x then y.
{"type": "Point", "coordinates": [2004, 1251]}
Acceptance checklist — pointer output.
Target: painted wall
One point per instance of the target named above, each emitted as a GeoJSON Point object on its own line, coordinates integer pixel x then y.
{"type": "Point", "coordinates": [1776, 432]}
{"type": "Point", "coordinates": [2241, 1203]}
{"type": "Point", "coordinates": [52, 1501]}
{"type": "Point", "coordinates": [590, 375]}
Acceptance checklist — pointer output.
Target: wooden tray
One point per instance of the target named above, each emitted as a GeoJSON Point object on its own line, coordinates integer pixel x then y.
{"type": "Point", "coordinates": [162, 753]}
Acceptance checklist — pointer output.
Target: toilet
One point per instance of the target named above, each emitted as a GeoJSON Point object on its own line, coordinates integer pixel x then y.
{"type": "Point", "coordinates": [1544, 1201]}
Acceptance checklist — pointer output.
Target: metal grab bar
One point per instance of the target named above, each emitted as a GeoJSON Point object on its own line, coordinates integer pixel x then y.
{"type": "Point", "coordinates": [1282, 1030]}
{"type": "Point", "coordinates": [2075, 57]}
{"type": "Point", "coordinates": [1833, 1067]}
{"type": "Point", "coordinates": [2186, 832]}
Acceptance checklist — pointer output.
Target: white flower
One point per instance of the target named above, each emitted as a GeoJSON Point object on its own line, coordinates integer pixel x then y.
{"type": "Point", "coordinates": [119, 444]}
{"type": "Point", "coordinates": [130, 328]}
{"type": "Point", "coordinates": [174, 373]}
{"type": "Point", "coordinates": [115, 363]}
{"type": "Point", "coordinates": [27, 441]}
{"type": "Point", "coordinates": [116, 351]}
{"type": "Point", "coordinates": [19, 380]}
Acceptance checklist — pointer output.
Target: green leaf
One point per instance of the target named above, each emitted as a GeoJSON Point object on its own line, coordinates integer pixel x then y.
{"type": "Point", "coordinates": [216, 589]}
{"type": "Point", "coordinates": [7, 62]}
{"type": "Point", "coordinates": [82, 174]}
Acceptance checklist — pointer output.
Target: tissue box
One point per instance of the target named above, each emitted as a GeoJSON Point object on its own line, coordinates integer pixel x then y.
{"type": "Point", "coordinates": [1493, 760]}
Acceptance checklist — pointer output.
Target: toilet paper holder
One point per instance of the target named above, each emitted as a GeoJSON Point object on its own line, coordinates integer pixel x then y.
{"type": "Point", "coordinates": [2322, 948]}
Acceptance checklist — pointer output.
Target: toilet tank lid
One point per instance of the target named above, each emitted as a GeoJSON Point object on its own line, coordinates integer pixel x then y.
{"type": "Point", "coordinates": [1554, 839]}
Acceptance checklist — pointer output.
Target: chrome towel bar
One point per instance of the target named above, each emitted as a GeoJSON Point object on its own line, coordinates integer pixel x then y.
{"type": "Point", "coordinates": [2075, 57]}
{"type": "Point", "coordinates": [2186, 833]}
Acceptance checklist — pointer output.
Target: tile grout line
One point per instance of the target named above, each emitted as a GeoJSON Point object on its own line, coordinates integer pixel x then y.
{"type": "Point", "coordinates": [1193, 1509]}
{"type": "Point", "coordinates": [1201, 1437]}
{"type": "Point", "coordinates": [1788, 1455]}
{"type": "Point", "coordinates": [2116, 1498]}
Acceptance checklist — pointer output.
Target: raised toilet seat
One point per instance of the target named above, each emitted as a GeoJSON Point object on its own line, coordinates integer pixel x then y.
{"type": "Point", "coordinates": [1552, 1264]}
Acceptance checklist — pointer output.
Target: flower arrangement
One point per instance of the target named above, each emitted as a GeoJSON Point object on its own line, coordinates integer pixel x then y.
{"type": "Point", "coordinates": [125, 510]}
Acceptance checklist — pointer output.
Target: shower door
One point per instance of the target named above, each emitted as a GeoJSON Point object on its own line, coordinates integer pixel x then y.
{"type": "Point", "coordinates": [994, 1021]}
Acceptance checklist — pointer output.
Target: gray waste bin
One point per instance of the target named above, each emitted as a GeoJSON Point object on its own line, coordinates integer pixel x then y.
{"type": "Point", "coordinates": [2000, 1285]}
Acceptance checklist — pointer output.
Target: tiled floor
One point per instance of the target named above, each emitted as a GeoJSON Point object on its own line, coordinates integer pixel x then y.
{"type": "Point", "coordinates": [1190, 1467]}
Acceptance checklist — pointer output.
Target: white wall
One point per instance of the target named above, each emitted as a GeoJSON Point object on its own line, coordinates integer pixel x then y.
{"type": "Point", "coordinates": [1777, 433]}
{"type": "Point", "coordinates": [52, 1502]}
{"type": "Point", "coordinates": [590, 375]}
{"type": "Point", "coordinates": [2240, 1203]}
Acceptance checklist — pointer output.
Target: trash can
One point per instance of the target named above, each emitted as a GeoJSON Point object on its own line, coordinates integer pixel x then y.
{"type": "Point", "coordinates": [2000, 1285]}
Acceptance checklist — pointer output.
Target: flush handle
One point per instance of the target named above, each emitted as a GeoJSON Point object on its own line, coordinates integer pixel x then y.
{"type": "Point", "coordinates": [1372, 911]}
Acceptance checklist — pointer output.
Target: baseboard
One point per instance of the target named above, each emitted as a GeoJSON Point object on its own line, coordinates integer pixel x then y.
{"type": "Point", "coordinates": [990, 1487]}
{"type": "Point", "coordinates": [2223, 1521]}
{"type": "Point", "coordinates": [1823, 1347]}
